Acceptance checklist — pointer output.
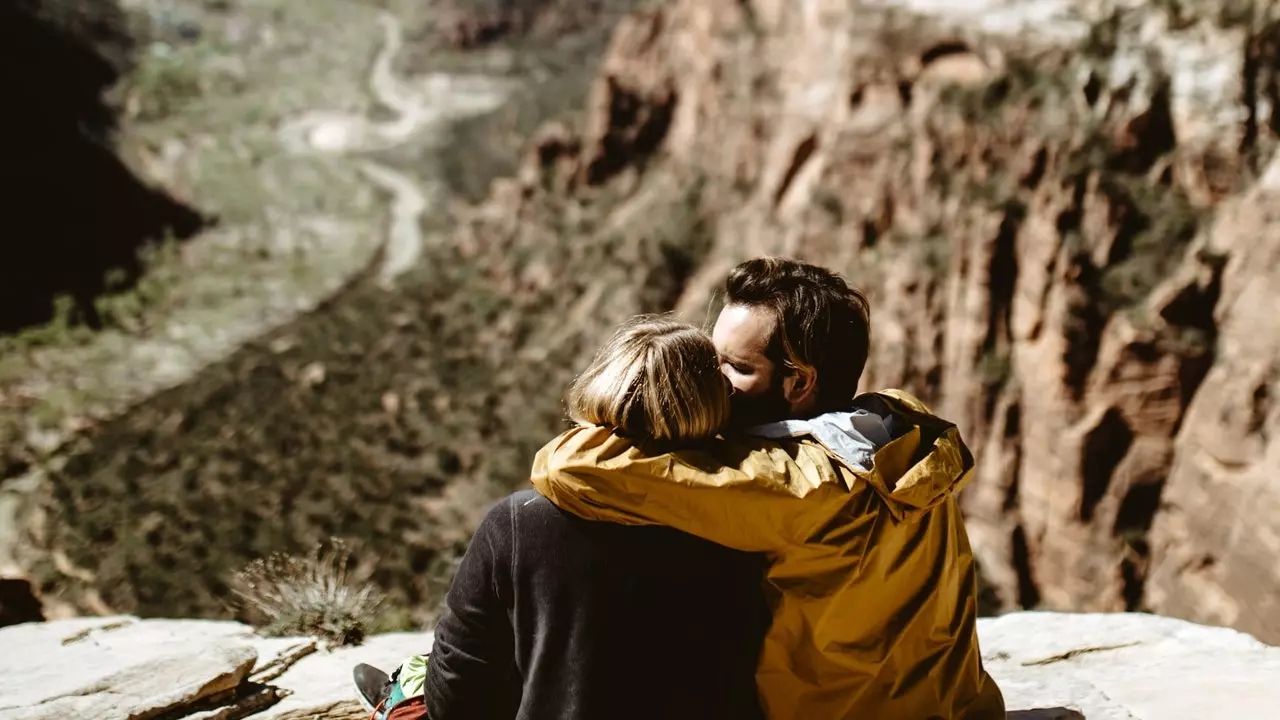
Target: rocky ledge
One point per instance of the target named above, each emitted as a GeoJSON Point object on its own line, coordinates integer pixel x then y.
{"type": "Point", "coordinates": [1052, 666]}
{"type": "Point", "coordinates": [1128, 666]}
{"type": "Point", "coordinates": [123, 667]}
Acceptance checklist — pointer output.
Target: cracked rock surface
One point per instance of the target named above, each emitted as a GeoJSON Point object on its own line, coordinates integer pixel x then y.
{"type": "Point", "coordinates": [123, 667]}
{"type": "Point", "coordinates": [1051, 666]}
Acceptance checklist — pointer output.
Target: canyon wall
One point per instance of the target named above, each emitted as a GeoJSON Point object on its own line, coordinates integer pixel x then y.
{"type": "Point", "coordinates": [1066, 222]}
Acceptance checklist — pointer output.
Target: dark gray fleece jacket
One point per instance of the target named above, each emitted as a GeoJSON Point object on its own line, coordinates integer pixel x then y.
{"type": "Point", "coordinates": [552, 617]}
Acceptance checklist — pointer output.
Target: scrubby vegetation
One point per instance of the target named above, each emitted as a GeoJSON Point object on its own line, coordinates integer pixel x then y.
{"type": "Point", "coordinates": [314, 595]}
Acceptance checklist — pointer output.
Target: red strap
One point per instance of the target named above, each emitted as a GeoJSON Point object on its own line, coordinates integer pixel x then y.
{"type": "Point", "coordinates": [415, 708]}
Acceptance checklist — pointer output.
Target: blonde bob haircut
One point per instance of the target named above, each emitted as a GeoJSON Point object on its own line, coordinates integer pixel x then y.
{"type": "Point", "coordinates": [655, 379]}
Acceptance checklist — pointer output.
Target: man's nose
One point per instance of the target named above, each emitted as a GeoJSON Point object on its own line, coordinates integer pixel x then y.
{"type": "Point", "coordinates": [724, 372]}
{"type": "Point", "coordinates": [732, 390]}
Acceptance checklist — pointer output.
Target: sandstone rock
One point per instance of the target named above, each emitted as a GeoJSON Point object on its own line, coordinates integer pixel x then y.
{"type": "Point", "coordinates": [468, 24]}
{"type": "Point", "coordinates": [118, 667]}
{"type": "Point", "coordinates": [631, 103]}
{"type": "Point", "coordinates": [1215, 538]}
{"type": "Point", "coordinates": [1125, 666]}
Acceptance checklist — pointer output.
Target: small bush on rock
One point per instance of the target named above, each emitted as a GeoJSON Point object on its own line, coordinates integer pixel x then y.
{"type": "Point", "coordinates": [312, 595]}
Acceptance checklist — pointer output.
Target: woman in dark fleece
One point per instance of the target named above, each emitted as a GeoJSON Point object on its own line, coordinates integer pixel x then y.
{"type": "Point", "coordinates": [551, 616]}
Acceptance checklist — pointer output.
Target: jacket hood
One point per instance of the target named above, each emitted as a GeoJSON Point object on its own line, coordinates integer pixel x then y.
{"type": "Point", "coordinates": [912, 458]}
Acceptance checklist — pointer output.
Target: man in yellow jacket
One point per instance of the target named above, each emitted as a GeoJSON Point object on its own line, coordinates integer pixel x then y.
{"type": "Point", "coordinates": [871, 579]}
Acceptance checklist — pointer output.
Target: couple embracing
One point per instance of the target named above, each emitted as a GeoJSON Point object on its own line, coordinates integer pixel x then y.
{"type": "Point", "coordinates": [728, 531]}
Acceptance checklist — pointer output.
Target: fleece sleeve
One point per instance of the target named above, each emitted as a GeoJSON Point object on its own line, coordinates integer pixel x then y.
{"type": "Point", "coordinates": [472, 673]}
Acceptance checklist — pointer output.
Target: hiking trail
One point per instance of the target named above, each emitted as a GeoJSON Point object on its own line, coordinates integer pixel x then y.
{"type": "Point", "coordinates": [427, 103]}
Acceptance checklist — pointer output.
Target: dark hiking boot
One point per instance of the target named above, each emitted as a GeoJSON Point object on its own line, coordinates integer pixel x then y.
{"type": "Point", "coordinates": [372, 685]}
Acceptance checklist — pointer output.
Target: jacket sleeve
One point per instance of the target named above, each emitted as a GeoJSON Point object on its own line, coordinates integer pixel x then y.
{"type": "Point", "coordinates": [471, 672]}
{"type": "Point", "coordinates": [746, 494]}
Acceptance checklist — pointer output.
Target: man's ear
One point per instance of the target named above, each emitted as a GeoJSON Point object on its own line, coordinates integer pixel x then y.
{"type": "Point", "coordinates": [800, 387]}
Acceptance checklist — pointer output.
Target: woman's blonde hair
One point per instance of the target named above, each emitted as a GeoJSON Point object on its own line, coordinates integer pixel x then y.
{"type": "Point", "coordinates": [655, 379]}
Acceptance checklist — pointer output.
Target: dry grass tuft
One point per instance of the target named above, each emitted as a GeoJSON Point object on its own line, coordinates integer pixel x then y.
{"type": "Point", "coordinates": [312, 595]}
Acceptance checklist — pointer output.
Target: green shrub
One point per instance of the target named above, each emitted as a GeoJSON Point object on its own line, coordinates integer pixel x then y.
{"type": "Point", "coordinates": [996, 367]}
{"type": "Point", "coordinates": [165, 82]}
{"type": "Point", "coordinates": [1168, 224]}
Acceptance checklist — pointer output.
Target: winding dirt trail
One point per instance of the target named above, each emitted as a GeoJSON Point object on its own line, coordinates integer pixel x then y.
{"type": "Point", "coordinates": [419, 109]}
{"type": "Point", "coordinates": [422, 105]}
{"type": "Point", "coordinates": [403, 246]}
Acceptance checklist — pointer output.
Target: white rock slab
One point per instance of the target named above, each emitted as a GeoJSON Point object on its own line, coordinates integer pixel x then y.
{"type": "Point", "coordinates": [1130, 667]}
{"type": "Point", "coordinates": [120, 667]}
{"type": "Point", "coordinates": [1050, 666]}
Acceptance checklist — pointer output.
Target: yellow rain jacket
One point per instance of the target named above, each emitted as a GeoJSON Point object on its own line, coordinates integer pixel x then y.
{"type": "Point", "coordinates": [871, 580]}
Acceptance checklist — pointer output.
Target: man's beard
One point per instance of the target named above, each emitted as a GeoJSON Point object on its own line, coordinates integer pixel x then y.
{"type": "Point", "coordinates": [749, 410]}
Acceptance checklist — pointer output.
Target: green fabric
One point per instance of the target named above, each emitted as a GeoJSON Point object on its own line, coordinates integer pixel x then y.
{"type": "Point", "coordinates": [413, 675]}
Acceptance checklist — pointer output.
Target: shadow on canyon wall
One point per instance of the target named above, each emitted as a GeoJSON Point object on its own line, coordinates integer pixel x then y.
{"type": "Point", "coordinates": [76, 215]}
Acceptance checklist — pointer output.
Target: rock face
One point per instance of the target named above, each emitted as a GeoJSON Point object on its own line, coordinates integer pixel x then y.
{"type": "Point", "coordinates": [1050, 666]}
{"type": "Point", "coordinates": [1054, 213]}
{"type": "Point", "coordinates": [469, 24]}
{"type": "Point", "coordinates": [122, 667]}
{"type": "Point", "coordinates": [1216, 535]}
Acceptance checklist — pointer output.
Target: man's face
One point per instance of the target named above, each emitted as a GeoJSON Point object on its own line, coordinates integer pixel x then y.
{"type": "Point", "coordinates": [741, 336]}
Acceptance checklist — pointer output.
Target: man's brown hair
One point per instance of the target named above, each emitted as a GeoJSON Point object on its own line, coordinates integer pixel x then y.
{"type": "Point", "coordinates": [820, 321]}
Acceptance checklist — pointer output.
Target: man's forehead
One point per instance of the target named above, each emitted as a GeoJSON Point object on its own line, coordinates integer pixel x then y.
{"type": "Point", "coordinates": [742, 330]}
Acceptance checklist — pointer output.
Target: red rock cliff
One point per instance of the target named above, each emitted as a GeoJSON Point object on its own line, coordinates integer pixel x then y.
{"type": "Point", "coordinates": [1061, 225]}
